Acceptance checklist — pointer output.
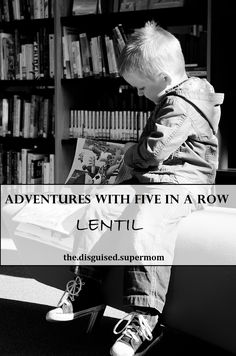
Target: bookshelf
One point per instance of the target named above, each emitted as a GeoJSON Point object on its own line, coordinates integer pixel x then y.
{"type": "Point", "coordinates": [27, 91]}
{"type": "Point", "coordinates": [109, 93]}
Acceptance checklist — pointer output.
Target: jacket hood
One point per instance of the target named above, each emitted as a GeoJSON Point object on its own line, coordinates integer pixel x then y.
{"type": "Point", "coordinates": [201, 93]}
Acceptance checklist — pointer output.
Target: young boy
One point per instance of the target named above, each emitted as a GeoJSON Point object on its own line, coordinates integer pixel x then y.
{"type": "Point", "coordinates": [178, 146]}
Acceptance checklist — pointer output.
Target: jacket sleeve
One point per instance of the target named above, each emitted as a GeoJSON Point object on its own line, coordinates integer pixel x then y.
{"type": "Point", "coordinates": [169, 130]}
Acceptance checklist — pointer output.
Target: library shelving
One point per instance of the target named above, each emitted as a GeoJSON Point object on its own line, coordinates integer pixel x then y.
{"type": "Point", "coordinates": [27, 94]}
{"type": "Point", "coordinates": [206, 48]}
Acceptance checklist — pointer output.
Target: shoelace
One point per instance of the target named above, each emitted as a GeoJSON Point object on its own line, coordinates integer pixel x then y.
{"type": "Point", "coordinates": [72, 291]}
{"type": "Point", "coordinates": [141, 327]}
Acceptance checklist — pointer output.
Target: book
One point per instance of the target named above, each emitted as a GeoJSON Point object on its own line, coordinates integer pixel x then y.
{"type": "Point", "coordinates": [96, 56]}
{"type": "Point", "coordinates": [51, 168]}
{"type": "Point", "coordinates": [141, 4]}
{"type": "Point", "coordinates": [6, 12]}
{"type": "Point", "coordinates": [24, 166]}
{"type": "Point", "coordinates": [1, 164]}
{"type": "Point", "coordinates": [6, 56]}
{"type": "Point", "coordinates": [85, 54]}
{"type": "Point", "coordinates": [48, 218]}
{"type": "Point", "coordinates": [51, 55]}
{"type": "Point", "coordinates": [16, 115]}
{"type": "Point", "coordinates": [134, 5]}
{"type": "Point", "coordinates": [76, 71]}
{"type": "Point", "coordinates": [46, 172]}
{"type": "Point", "coordinates": [46, 116]}
{"type": "Point", "coordinates": [46, 236]}
{"type": "Point", "coordinates": [118, 38]}
{"type": "Point", "coordinates": [26, 119]}
{"type": "Point", "coordinates": [159, 4]}
{"type": "Point", "coordinates": [84, 7]}
{"type": "Point", "coordinates": [35, 167]}
{"type": "Point", "coordinates": [116, 6]}
{"type": "Point", "coordinates": [127, 5]}
{"type": "Point", "coordinates": [33, 117]}
{"type": "Point", "coordinates": [96, 162]}
{"type": "Point", "coordinates": [5, 117]}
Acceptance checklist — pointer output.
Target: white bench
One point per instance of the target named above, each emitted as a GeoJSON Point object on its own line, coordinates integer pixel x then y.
{"type": "Point", "coordinates": [202, 298]}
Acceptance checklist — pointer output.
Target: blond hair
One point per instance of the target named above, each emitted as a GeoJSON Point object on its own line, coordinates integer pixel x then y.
{"type": "Point", "coordinates": [152, 50]}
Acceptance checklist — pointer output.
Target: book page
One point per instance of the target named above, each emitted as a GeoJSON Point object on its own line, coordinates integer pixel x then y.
{"type": "Point", "coordinates": [96, 162]}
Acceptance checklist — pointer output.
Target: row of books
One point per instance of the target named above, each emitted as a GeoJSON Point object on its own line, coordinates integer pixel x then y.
{"type": "Point", "coordinates": [27, 117]}
{"type": "Point", "coordinates": [26, 166]}
{"type": "Point", "coordinates": [85, 7]}
{"type": "Point", "coordinates": [97, 56]}
{"type": "Point", "coordinates": [135, 5]}
{"type": "Point", "coordinates": [107, 125]}
{"type": "Point", "coordinates": [84, 56]}
{"type": "Point", "coordinates": [25, 9]}
{"type": "Point", "coordinates": [23, 57]}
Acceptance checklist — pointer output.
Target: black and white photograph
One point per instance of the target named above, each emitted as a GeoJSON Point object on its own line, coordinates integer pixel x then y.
{"type": "Point", "coordinates": [118, 178]}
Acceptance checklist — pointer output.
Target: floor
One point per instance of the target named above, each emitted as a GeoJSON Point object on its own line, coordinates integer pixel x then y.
{"type": "Point", "coordinates": [25, 332]}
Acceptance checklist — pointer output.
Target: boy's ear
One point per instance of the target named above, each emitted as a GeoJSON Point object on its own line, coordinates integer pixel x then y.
{"type": "Point", "coordinates": [166, 78]}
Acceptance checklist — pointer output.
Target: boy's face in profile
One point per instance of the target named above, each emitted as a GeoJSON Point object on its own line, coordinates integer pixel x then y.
{"type": "Point", "coordinates": [150, 88]}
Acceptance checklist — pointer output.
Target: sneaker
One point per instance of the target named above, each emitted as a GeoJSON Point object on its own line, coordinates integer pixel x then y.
{"type": "Point", "coordinates": [79, 299]}
{"type": "Point", "coordinates": [140, 333]}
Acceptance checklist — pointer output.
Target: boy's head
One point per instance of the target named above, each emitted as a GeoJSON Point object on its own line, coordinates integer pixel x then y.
{"type": "Point", "coordinates": [152, 60]}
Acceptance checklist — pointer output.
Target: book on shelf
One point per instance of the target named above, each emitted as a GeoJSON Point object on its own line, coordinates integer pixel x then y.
{"type": "Point", "coordinates": [84, 7]}
{"type": "Point", "coordinates": [96, 56]}
{"type": "Point", "coordinates": [119, 39]}
{"type": "Point", "coordinates": [111, 57]}
{"type": "Point", "coordinates": [6, 56]}
{"type": "Point", "coordinates": [116, 6]}
{"type": "Point", "coordinates": [4, 111]}
{"type": "Point", "coordinates": [110, 6]}
{"type": "Point", "coordinates": [120, 125]}
{"type": "Point", "coordinates": [160, 4]}
{"type": "Point", "coordinates": [11, 10]}
{"type": "Point", "coordinates": [127, 5]}
{"type": "Point", "coordinates": [5, 10]}
{"type": "Point", "coordinates": [105, 6]}
{"type": "Point", "coordinates": [26, 166]}
{"type": "Point", "coordinates": [26, 61]}
{"type": "Point", "coordinates": [85, 56]}
{"type": "Point", "coordinates": [76, 67]}
{"type": "Point", "coordinates": [17, 103]}
{"type": "Point", "coordinates": [51, 168]}
{"type": "Point", "coordinates": [77, 57]}
{"type": "Point", "coordinates": [134, 5]}
{"type": "Point", "coordinates": [30, 117]}
{"type": "Point", "coordinates": [35, 168]}
{"type": "Point", "coordinates": [1, 165]}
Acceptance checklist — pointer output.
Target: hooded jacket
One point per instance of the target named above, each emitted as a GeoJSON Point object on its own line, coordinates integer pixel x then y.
{"type": "Point", "coordinates": [179, 143]}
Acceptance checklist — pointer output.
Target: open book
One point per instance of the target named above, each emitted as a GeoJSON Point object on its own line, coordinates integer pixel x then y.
{"type": "Point", "coordinates": [95, 162]}
{"type": "Point", "coordinates": [98, 162]}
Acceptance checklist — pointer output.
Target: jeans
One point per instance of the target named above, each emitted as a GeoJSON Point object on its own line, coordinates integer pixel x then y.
{"type": "Point", "coordinates": [144, 285]}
